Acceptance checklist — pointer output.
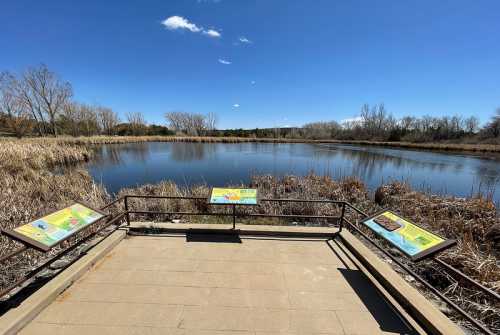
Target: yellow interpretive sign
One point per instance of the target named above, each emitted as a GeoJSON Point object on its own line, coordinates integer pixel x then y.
{"type": "Point", "coordinates": [233, 196]}
{"type": "Point", "coordinates": [414, 241]}
{"type": "Point", "coordinates": [50, 230]}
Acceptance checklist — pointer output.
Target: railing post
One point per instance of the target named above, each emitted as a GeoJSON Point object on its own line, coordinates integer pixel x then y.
{"type": "Point", "coordinates": [342, 217]}
{"type": "Point", "coordinates": [126, 210]}
{"type": "Point", "coordinates": [234, 216]}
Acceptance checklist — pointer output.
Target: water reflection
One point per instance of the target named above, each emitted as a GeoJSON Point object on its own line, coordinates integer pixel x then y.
{"type": "Point", "coordinates": [121, 165]}
{"type": "Point", "coordinates": [115, 154]}
{"type": "Point", "coordinates": [367, 163]}
{"type": "Point", "coordinates": [187, 152]}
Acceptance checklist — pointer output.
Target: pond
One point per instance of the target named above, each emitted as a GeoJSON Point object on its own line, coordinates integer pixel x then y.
{"type": "Point", "coordinates": [218, 164]}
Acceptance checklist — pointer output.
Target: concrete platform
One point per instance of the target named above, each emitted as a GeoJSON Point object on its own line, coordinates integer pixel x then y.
{"type": "Point", "coordinates": [213, 285]}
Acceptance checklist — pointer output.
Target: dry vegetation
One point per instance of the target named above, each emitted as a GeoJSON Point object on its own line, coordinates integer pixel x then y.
{"type": "Point", "coordinates": [442, 146]}
{"type": "Point", "coordinates": [30, 190]}
{"type": "Point", "coordinates": [466, 220]}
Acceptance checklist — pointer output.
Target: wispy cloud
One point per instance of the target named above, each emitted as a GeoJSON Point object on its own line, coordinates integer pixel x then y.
{"type": "Point", "coordinates": [178, 22]}
{"type": "Point", "coordinates": [223, 61]}
{"type": "Point", "coordinates": [253, 82]}
{"type": "Point", "coordinates": [211, 33]}
{"type": "Point", "coordinates": [243, 39]}
{"type": "Point", "coordinates": [236, 105]}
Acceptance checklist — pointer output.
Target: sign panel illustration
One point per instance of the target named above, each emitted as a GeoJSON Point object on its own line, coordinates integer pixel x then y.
{"type": "Point", "coordinates": [50, 230]}
{"type": "Point", "coordinates": [411, 239]}
{"type": "Point", "coordinates": [233, 196]}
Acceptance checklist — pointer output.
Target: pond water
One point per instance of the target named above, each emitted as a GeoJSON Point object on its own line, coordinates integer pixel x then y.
{"type": "Point", "coordinates": [218, 164]}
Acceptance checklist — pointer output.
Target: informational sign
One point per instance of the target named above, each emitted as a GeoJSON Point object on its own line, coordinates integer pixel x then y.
{"type": "Point", "coordinates": [54, 228]}
{"type": "Point", "coordinates": [414, 241]}
{"type": "Point", "coordinates": [233, 196]}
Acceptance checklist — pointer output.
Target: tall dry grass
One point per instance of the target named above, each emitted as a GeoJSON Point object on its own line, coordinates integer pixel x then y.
{"type": "Point", "coordinates": [30, 189]}
{"type": "Point", "coordinates": [94, 140]}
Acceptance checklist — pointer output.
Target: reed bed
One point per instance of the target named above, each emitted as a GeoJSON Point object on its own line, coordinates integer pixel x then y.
{"type": "Point", "coordinates": [95, 140]}
{"type": "Point", "coordinates": [31, 189]}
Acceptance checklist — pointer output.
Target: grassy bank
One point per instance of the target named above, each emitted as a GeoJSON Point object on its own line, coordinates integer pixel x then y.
{"type": "Point", "coordinates": [30, 190]}
{"type": "Point", "coordinates": [456, 147]}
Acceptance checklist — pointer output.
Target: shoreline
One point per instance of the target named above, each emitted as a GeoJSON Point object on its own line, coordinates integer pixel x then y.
{"type": "Point", "coordinates": [96, 140]}
{"type": "Point", "coordinates": [32, 190]}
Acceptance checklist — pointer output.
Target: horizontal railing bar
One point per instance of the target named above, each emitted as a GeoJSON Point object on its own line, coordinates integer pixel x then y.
{"type": "Point", "coordinates": [448, 266]}
{"type": "Point", "coordinates": [13, 253]}
{"type": "Point", "coordinates": [467, 278]}
{"type": "Point", "coordinates": [25, 247]}
{"type": "Point", "coordinates": [111, 203]}
{"type": "Point", "coordinates": [356, 209]}
{"type": "Point", "coordinates": [477, 323]}
{"type": "Point", "coordinates": [180, 213]}
{"type": "Point", "coordinates": [239, 214]}
{"type": "Point", "coordinates": [59, 255]}
{"type": "Point", "coordinates": [305, 200]}
{"type": "Point", "coordinates": [147, 196]}
{"type": "Point", "coordinates": [291, 216]}
{"type": "Point", "coordinates": [164, 197]}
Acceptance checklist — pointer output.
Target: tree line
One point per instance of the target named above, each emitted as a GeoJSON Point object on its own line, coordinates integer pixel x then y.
{"type": "Point", "coordinates": [38, 102]}
{"type": "Point", "coordinates": [375, 123]}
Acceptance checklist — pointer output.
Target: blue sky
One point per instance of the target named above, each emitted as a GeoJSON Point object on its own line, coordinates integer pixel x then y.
{"type": "Point", "coordinates": [307, 60]}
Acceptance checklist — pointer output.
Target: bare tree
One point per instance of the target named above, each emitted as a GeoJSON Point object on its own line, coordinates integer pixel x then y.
{"type": "Point", "coordinates": [18, 118]}
{"type": "Point", "coordinates": [46, 94]}
{"type": "Point", "coordinates": [191, 123]}
{"type": "Point", "coordinates": [321, 130]}
{"type": "Point", "coordinates": [89, 123]}
{"type": "Point", "coordinates": [211, 121]}
{"type": "Point", "coordinates": [137, 123]}
{"type": "Point", "coordinates": [471, 124]}
{"type": "Point", "coordinates": [70, 118]}
{"type": "Point", "coordinates": [107, 119]}
{"type": "Point", "coordinates": [493, 127]}
{"type": "Point", "coordinates": [175, 120]}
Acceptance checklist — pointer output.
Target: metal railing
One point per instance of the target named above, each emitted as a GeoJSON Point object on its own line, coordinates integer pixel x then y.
{"type": "Point", "coordinates": [234, 214]}
{"type": "Point", "coordinates": [421, 280]}
{"type": "Point", "coordinates": [339, 220]}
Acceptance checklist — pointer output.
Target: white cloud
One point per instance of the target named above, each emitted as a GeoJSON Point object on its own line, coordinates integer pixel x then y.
{"type": "Point", "coordinates": [243, 39]}
{"type": "Point", "coordinates": [252, 82]}
{"type": "Point", "coordinates": [223, 61]}
{"type": "Point", "coordinates": [236, 105]}
{"type": "Point", "coordinates": [178, 22]}
{"type": "Point", "coordinates": [211, 33]}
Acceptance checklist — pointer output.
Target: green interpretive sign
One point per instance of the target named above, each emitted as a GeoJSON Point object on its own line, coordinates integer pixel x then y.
{"type": "Point", "coordinates": [50, 230]}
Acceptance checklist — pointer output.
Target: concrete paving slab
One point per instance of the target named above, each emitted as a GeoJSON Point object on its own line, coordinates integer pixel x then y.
{"type": "Point", "coordinates": [167, 285]}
